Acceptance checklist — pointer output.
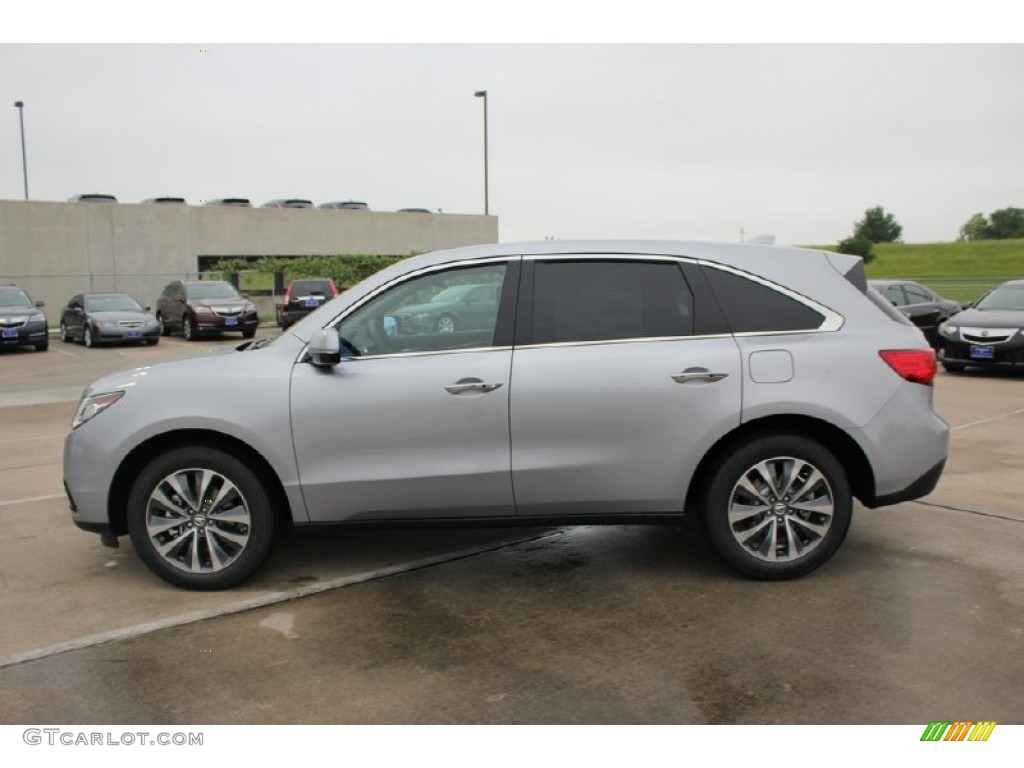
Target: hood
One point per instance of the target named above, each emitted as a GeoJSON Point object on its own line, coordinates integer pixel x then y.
{"type": "Point", "coordinates": [114, 316]}
{"type": "Point", "coordinates": [989, 318]}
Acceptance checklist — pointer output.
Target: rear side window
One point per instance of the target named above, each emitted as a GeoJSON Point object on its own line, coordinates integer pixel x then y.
{"type": "Point", "coordinates": [606, 300]}
{"type": "Point", "coordinates": [752, 307]}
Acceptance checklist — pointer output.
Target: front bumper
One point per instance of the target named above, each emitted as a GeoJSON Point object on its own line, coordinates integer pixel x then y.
{"type": "Point", "coordinates": [107, 334]}
{"type": "Point", "coordinates": [25, 334]}
{"type": "Point", "coordinates": [1006, 354]}
{"type": "Point", "coordinates": [224, 324]}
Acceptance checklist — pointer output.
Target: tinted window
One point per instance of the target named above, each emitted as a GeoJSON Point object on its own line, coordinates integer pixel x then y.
{"type": "Point", "coordinates": [311, 287]}
{"type": "Point", "coordinates": [604, 300]}
{"type": "Point", "coordinates": [894, 293]}
{"type": "Point", "coordinates": [751, 307]}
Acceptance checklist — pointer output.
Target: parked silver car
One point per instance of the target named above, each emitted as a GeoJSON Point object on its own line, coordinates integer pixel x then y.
{"type": "Point", "coordinates": [763, 388]}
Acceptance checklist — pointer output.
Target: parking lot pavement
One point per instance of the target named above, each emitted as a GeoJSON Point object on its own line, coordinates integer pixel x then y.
{"type": "Point", "coordinates": [919, 615]}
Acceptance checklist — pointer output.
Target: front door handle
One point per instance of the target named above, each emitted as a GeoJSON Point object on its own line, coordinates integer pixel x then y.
{"type": "Point", "coordinates": [470, 385]}
{"type": "Point", "coordinates": [697, 374]}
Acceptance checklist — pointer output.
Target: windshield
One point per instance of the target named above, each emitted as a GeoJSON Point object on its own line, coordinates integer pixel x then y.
{"type": "Point", "coordinates": [119, 302]}
{"type": "Point", "coordinates": [212, 290]}
{"type": "Point", "coordinates": [1004, 297]}
{"type": "Point", "coordinates": [14, 297]}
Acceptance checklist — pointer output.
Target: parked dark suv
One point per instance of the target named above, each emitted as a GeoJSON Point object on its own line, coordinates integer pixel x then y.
{"type": "Point", "coordinates": [303, 296]}
{"type": "Point", "coordinates": [205, 307]}
{"type": "Point", "coordinates": [21, 322]}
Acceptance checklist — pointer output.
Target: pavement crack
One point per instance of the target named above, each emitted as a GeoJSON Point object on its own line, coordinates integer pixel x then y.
{"type": "Point", "coordinates": [969, 511]}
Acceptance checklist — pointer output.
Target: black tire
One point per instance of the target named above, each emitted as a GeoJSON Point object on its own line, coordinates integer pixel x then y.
{"type": "Point", "coordinates": [445, 324]}
{"type": "Point", "coordinates": [87, 338]}
{"type": "Point", "coordinates": [152, 342]}
{"type": "Point", "coordinates": [165, 327]}
{"type": "Point", "coordinates": [249, 334]}
{"type": "Point", "coordinates": [43, 346]}
{"type": "Point", "coordinates": [187, 329]}
{"type": "Point", "coordinates": [65, 335]}
{"type": "Point", "coordinates": [954, 367]}
{"type": "Point", "coordinates": [209, 534]}
{"type": "Point", "coordinates": [779, 534]}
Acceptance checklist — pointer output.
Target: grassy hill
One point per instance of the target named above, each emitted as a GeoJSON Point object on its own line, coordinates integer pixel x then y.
{"type": "Point", "coordinates": [959, 271]}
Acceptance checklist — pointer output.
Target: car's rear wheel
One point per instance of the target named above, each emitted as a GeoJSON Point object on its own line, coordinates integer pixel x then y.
{"type": "Point", "coordinates": [778, 507]}
{"type": "Point", "coordinates": [200, 518]}
{"type": "Point", "coordinates": [187, 329]}
{"type": "Point", "coordinates": [446, 324]}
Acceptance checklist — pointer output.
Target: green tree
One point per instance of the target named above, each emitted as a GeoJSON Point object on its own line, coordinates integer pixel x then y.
{"type": "Point", "coordinates": [1005, 223]}
{"type": "Point", "coordinates": [857, 246]}
{"type": "Point", "coordinates": [878, 226]}
{"type": "Point", "coordinates": [976, 228]}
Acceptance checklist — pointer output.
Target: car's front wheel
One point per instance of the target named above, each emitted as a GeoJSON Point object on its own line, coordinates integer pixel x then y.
{"type": "Point", "coordinates": [187, 329]}
{"type": "Point", "coordinates": [65, 334]}
{"type": "Point", "coordinates": [953, 367]}
{"type": "Point", "coordinates": [446, 324]}
{"type": "Point", "coordinates": [165, 325]}
{"type": "Point", "coordinates": [87, 337]}
{"type": "Point", "coordinates": [200, 518]}
{"type": "Point", "coordinates": [778, 507]}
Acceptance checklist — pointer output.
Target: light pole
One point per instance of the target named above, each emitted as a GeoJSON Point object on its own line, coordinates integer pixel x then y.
{"type": "Point", "coordinates": [487, 207]}
{"type": "Point", "coordinates": [24, 162]}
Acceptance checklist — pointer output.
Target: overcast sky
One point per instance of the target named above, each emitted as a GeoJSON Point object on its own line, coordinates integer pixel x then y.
{"type": "Point", "coordinates": [661, 141]}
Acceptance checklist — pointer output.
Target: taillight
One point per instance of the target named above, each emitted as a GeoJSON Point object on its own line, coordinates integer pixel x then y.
{"type": "Point", "coordinates": [916, 365]}
{"type": "Point", "coordinates": [287, 296]}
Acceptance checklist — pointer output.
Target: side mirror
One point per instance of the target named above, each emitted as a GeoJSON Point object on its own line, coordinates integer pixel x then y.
{"type": "Point", "coordinates": [40, 303]}
{"type": "Point", "coordinates": [148, 308]}
{"type": "Point", "coordinates": [325, 348]}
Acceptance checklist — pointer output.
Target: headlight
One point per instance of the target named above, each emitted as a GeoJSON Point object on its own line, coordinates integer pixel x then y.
{"type": "Point", "coordinates": [249, 308]}
{"type": "Point", "coordinates": [93, 405]}
{"type": "Point", "coordinates": [949, 329]}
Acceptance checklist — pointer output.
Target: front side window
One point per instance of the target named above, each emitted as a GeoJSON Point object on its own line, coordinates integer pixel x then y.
{"type": "Point", "coordinates": [437, 312]}
{"type": "Point", "coordinates": [598, 300]}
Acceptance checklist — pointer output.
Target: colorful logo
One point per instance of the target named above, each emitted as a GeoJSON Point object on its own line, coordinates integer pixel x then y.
{"type": "Point", "coordinates": [960, 730]}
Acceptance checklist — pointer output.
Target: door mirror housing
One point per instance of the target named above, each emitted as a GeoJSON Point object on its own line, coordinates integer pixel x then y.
{"type": "Point", "coordinates": [325, 348]}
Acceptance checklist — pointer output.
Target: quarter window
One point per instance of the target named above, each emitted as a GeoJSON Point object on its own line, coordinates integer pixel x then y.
{"type": "Point", "coordinates": [752, 307]}
{"type": "Point", "coordinates": [604, 300]}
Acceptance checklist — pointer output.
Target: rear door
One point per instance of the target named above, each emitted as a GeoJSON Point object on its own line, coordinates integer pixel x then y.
{"type": "Point", "coordinates": [623, 376]}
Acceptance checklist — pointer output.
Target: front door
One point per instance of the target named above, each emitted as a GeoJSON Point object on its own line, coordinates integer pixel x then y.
{"type": "Point", "coordinates": [414, 421]}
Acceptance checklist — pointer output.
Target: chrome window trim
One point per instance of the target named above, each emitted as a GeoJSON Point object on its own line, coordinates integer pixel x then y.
{"type": "Point", "coordinates": [433, 353]}
{"type": "Point", "coordinates": [631, 340]}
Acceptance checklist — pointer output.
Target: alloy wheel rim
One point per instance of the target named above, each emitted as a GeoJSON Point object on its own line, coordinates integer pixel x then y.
{"type": "Point", "coordinates": [445, 325]}
{"type": "Point", "coordinates": [198, 521]}
{"type": "Point", "coordinates": [781, 509]}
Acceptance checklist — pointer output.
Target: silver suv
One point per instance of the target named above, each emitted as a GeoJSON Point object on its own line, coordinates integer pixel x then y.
{"type": "Point", "coordinates": [762, 388]}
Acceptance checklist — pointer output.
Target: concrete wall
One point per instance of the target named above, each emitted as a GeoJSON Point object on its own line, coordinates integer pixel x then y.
{"type": "Point", "coordinates": [55, 250]}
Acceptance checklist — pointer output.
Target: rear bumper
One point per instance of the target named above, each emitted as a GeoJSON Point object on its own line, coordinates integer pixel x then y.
{"type": "Point", "coordinates": [920, 487]}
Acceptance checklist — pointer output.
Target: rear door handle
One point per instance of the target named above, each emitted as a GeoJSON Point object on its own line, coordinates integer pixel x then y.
{"type": "Point", "coordinates": [470, 385]}
{"type": "Point", "coordinates": [697, 374]}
